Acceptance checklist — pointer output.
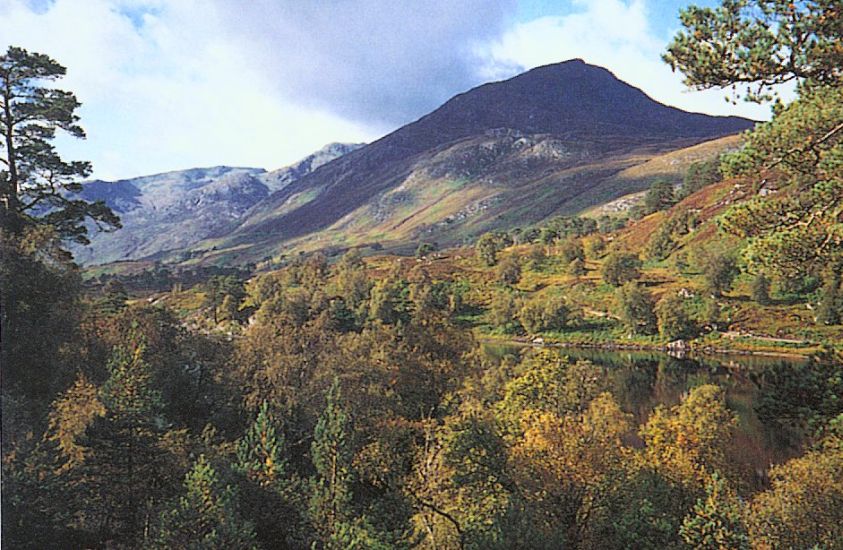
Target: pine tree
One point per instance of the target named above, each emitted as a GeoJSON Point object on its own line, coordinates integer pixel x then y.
{"type": "Point", "coordinates": [122, 475]}
{"type": "Point", "coordinates": [35, 183]}
{"type": "Point", "coordinates": [37, 211]}
{"type": "Point", "coordinates": [268, 493]}
{"type": "Point", "coordinates": [757, 45]}
{"type": "Point", "coordinates": [206, 517]}
{"type": "Point", "coordinates": [260, 452]}
{"type": "Point", "coordinates": [331, 453]}
{"type": "Point", "coordinates": [660, 196]}
{"type": "Point", "coordinates": [741, 43]}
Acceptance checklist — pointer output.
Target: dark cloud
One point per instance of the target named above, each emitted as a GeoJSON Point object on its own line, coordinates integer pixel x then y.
{"type": "Point", "coordinates": [374, 61]}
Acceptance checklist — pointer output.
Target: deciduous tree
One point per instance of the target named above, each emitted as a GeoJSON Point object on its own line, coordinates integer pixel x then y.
{"type": "Point", "coordinates": [620, 268]}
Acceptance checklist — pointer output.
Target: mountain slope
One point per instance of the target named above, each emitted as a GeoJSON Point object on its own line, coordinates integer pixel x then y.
{"type": "Point", "coordinates": [175, 210]}
{"type": "Point", "coordinates": [503, 154]}
{"type": "Point", "coordinates": [278, 179]}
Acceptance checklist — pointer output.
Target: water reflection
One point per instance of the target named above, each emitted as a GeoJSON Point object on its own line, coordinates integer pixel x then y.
{"type": "Point", "coordinates": [641, 380]}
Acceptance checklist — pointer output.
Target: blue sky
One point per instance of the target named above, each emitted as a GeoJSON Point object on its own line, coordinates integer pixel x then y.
{"type": "Point", "coordinates": [663, 14]}
{"type": "Point", "coordinates": [172, 84]}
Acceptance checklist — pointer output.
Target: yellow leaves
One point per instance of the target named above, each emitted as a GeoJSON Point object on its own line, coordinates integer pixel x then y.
{"type": "Point", "coordinates": [579, 448]}
{"type": "Point", "coordinates": [72, 413]}
{"type": "Point", "coordinates": [802, 508]}
{"type": "Point", "coordinates": [689, 441]}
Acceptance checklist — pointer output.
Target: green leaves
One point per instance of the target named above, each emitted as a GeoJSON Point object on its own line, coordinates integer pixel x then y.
{"type": "Point", "coordinates": [620, 268]}
{"type": "Point", "coordinates": [716, 520]}
{"type": "Point", "coordinates": [331, 454]}
{"type": "Point", "coordinates": [36, 184]}
{"type": "Point", "coordinates": [261, 452]}
{"type": "Point", "coordinates": [206, 516]}
{"type": "Point", "coordinates": [759, 44]}
{"type": "Point", "coordinates": [794, 226]}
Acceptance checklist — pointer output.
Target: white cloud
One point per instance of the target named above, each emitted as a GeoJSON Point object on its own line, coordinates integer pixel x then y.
{"type": "Point", "coordinates": [169, 93]}
{"type": "Point", "coordinates": [377, 61]}
{"type": "Point", "coordinates": [614, 34]}
{"type": "Point", "coordinates": [169, 84]}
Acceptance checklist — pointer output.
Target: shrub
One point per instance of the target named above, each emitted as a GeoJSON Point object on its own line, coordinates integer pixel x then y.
{"type": "Point", "coordinates": [424, 249]}
{"type": "Point", "coordinates": [577, 268]}
{"type": "Point", "coordinates": [594, 246]}
{"type": "Point", "coordinates": [680, 261]}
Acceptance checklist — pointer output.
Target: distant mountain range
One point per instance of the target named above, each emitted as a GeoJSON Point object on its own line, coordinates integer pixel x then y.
{"type": "Point", "coordinates": [175, 210]}
{"type": "Point", "coordinates": [555, 140]}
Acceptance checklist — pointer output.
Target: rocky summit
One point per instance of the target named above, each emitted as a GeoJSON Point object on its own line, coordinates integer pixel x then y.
{"type": "Point", "coordinates": [175, 210]}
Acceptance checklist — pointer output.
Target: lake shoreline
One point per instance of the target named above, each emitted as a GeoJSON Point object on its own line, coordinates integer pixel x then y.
{"type": "Point", "coordinates": [620, 346]}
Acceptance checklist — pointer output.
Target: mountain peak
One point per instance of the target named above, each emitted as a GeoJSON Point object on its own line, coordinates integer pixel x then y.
{"type": "Point", "coordinates": [558, 116]}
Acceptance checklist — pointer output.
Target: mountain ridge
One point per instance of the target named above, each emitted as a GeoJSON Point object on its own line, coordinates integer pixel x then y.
{"type": "Point", "coordinates": [581, 106]}
{"type": "Point", "coordinates": [173, 210]}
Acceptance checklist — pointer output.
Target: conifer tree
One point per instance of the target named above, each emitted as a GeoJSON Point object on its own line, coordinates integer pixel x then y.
{"type": "Point", "coordinates": [260, 453]}
{"type": "Point", "coordinates": [660, 196]}
{"type": "Point", "coordinates": [122, 474]}
{"type": "Point", "coordinates": [759, 45]}
{"type": "Point", "coordinates": [36, 185]}
{"type": "Point", "coordinates": [206, 516]}
{"type": "Point", "coordinates": [331, 453]}
{"type": "Point", "coordinates": [268, 494]}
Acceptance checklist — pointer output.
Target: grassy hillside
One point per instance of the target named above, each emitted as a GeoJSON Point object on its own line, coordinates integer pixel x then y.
{"type": "Point", "coordinates": [479, 185]}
